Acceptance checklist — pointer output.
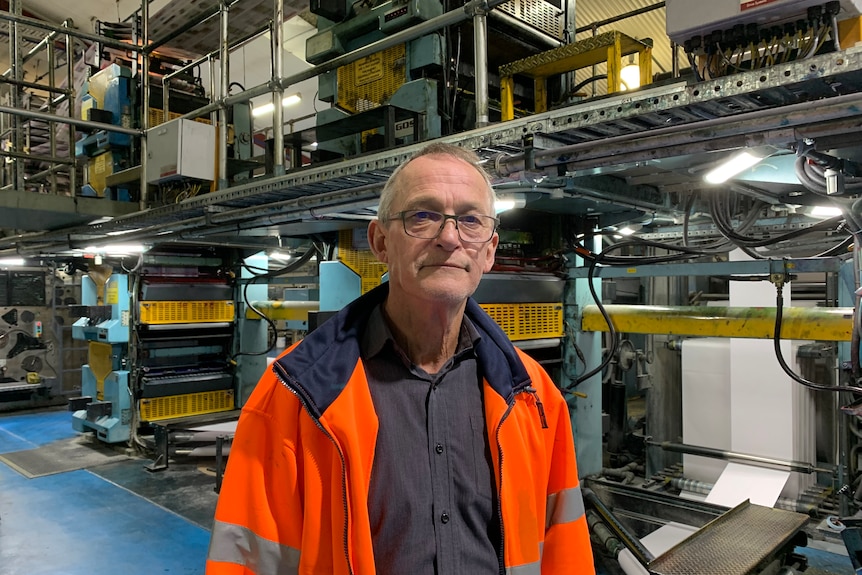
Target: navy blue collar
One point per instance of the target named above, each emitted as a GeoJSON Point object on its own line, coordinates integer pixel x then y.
{"type": "Point", "coordinates": [321, 365]}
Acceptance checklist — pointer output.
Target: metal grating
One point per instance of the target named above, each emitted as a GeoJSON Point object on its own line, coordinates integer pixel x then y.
{"type": "Point", "coordinates": [371, 81]}
{"type": "Point", "coordinates": [739, 541]}
{"type": "Point", "coordinates": [170, 312]}
{"type": "Point", "coordinates": [537, 13]}
{"type": "Point", "coordinates": [159, 408]}
{"type": "Point", "coordinates": [523, 321]}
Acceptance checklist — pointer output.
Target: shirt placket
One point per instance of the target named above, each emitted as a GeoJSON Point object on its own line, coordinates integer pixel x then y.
{"type": "Point", "coordinates": [441, 481]}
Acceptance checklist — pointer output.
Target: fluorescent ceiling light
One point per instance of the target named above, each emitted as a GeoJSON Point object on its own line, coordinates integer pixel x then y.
{"type": "Point", "coordinates": [281, 256]}
{"type": "Point", "coordinates": [101, 220]}
{"type": "Point", "coordinates": [115, 249]}
{"type": "Point", "coordinates": [267, 108]}
{"type": "Point", "coordinates": [825, 212]}
{"type": "Point", "coordinates": [11, 261]}
{"type": "Point", "coordinates": [121, 232]}
{"type": "Point", "coordinates": [735, 165]}
{"type": "Point", "coordinates": [626, 231]}
{"type": "Point", "coordinates": [502, 204]}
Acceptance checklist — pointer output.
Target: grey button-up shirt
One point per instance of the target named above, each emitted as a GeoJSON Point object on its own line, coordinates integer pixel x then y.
{"type": "Point", "coordinates": [432, 500]}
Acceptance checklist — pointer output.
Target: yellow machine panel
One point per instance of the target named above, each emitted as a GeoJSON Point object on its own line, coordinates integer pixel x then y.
{"type": "Point", "coordinates": [168, 312]}
{"type": "Point", "coordinates": [523, 321]}
{"type": "Point", "coordinates": [362, 262]}
{"type": "Point", "coordinates": [372, 80]}
{"type": "Point", "coordinates": [159, 408]}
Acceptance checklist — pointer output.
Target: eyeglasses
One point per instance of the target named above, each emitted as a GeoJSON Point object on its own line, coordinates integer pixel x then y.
{"type": "Point", "coordinates": [427, 225]}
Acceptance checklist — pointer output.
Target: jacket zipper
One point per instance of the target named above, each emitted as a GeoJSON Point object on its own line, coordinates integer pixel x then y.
{"type": "Point", "coordinates": [532, 391]}
{"type": "Point", "coordinates": [283, 377]}
{"type": "Point", "coordinates": [502, 555]}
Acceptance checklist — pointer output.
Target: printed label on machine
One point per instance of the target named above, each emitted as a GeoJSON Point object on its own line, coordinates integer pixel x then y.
{"type": "Point", "coordinates": [369, 69]}
{"type": "Point", "coordinates": [112, 297]}
{"type": "Point", "coordinates": [749, 4]}
{"type": "Point", "coordinates": [404, 128]}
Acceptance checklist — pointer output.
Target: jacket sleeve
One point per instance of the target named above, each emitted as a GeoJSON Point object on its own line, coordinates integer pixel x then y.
{"type": "Point", "coordinates": [258, 518]}
{"type": "Point", "coordinates": [567, 539]}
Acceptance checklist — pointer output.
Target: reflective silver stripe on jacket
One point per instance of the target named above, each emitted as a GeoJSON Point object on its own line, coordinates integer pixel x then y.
{"type": "Point", "coordinates": [564, 507]}
{"type": "Point", "coordinates": [231, 543]}
{"type": "Point", "coordinates": [528, 569]}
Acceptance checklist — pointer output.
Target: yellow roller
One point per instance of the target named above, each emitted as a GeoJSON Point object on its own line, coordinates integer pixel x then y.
{"type": "Point", "coordinates": [821, 324]}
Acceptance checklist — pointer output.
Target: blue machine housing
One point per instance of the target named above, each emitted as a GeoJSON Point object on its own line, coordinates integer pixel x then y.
{"type": "Point", "coordinates": [105, 405]}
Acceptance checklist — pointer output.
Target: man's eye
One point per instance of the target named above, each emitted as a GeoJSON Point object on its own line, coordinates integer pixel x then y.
{"type": "Point", "coordinates": [469, 220]}
{"type": "Point", "coordinates": [424, 217]}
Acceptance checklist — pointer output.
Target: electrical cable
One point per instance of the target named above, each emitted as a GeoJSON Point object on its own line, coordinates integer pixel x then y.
{"type": "Point", "coordinates": [776, 338]}
{"type": "Point", "coordinates": [272, 331]}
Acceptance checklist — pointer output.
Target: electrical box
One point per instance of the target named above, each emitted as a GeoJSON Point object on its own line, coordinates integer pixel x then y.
{"type": "Point", "coordinates": [181, 149]}
{"type": "Point", "coordinates": [684, 21]}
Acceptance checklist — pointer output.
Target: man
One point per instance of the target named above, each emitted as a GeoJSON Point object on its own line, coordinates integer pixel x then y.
{"type": "Point", "coordinates": [406, 435]}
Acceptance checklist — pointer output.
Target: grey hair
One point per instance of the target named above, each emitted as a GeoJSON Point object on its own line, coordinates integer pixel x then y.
{"type": "Point", "coordinates": [387, 196]}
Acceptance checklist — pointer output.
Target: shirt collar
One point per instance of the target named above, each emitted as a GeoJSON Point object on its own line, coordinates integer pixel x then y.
{"type": "Point", "coordinates": [377, 335]}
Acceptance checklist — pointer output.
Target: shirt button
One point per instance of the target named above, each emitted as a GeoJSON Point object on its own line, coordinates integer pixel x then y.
{"type": "Point", "coordinates": [439, 448]}
{"type": "Point", "coordinates": [445, 517]}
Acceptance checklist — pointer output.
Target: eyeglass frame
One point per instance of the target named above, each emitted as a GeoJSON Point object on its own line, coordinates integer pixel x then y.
{"type": "Point", "coordinates": [402, 215]}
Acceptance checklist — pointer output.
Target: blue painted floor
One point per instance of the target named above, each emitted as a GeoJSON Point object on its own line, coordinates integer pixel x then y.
{"type": "Point", "coordinates": [78, 523]}
{"type": "Point", "coordinates": [119, 519]}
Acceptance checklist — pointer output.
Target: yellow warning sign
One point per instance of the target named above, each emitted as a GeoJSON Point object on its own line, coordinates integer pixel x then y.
{"type": "Point", "coordinates": [369, 69]}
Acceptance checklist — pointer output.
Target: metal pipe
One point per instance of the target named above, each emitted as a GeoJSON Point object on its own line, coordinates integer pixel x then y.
{"type": "Point", "coordinates": [480, 69]}
{"type": "Point", "coordinates": [35, 49]}
{"type": "Point", "coordinates": [630, 542]}
{"type": "Point", "coordinates": [16, 7]}
{"type": "Point", "coordinates": [71, 121]}
{"type": "Point", "coordinates": [42, 25]}
{"type": "Point", "coordinates": [52, 171]}
{"type": "Point", "coordinates": [674, 51]}
{"type": "Point", "coordinates": [35, 157]}
{"type": "Point", "coordinates": [224, 62]}
{"type": "Point", "coordinates": [70, 84]}
{"type": "Point", "coordinates": [52, 127]}
{"type": "Point", "coordinates": [33, 85]}
{"type": "Point", "coordinates": [206, 58]}
{"type": "Point", "coordinates": [277, 90]}
{"type": "Point", "coordinates": [450, 18]}
{"type": "Point", "coordinates": [798, 466]}
{"type": "Point", "coordinates": [143, 199]}
{"type": "Point", "coordinates": [623, 16]}
{"type": "Point", "coordinates": [821, 324]}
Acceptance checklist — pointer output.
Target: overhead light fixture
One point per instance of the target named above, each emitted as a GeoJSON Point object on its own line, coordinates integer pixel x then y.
{"type": "Point", "coordinates": [630, 75]}
{"type": "Point", "coordinates": [115, 249]}
{"type": "Point", "coordinates": [627, 231]}
{"type": "Point", "coordinates": [825, 212]}
{"type": "Point", "coordinates": [11, 261]}
{"type": "Point", "coordinates": [281, 256]}
{"type": "Point", "coordinates": [267, 108]}
{"type": "Point", "coordinates": [506, 203]}
{"type": "Point", "coordinates": [738, 163]}
{"type": "Point", "coordinates": [122, 232]}
{"type": "Point", "coordinates": [101, 220]}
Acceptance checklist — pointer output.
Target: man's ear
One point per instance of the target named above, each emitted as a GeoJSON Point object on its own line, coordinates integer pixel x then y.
{"type": "Point", "coordinates": [377, 240]}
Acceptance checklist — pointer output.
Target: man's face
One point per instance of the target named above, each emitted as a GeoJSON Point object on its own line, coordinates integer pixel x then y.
{"type": "Point", "coordinates": [446, 268]}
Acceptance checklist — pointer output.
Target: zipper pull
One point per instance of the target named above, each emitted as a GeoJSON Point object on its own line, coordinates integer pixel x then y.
{"type": "Point", "coordinates": [532, 391]}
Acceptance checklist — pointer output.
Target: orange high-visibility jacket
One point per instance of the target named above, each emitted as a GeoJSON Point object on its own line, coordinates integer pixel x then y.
{"type": "Point", "coordinates": [295, 494]}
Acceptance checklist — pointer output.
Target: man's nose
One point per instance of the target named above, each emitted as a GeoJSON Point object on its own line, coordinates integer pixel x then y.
{"type": "Point", "coordinates": [450, 233]}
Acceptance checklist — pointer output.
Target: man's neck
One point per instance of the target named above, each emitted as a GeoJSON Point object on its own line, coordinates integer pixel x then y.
{"type": "Point", "coordinates": [427, 333]}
